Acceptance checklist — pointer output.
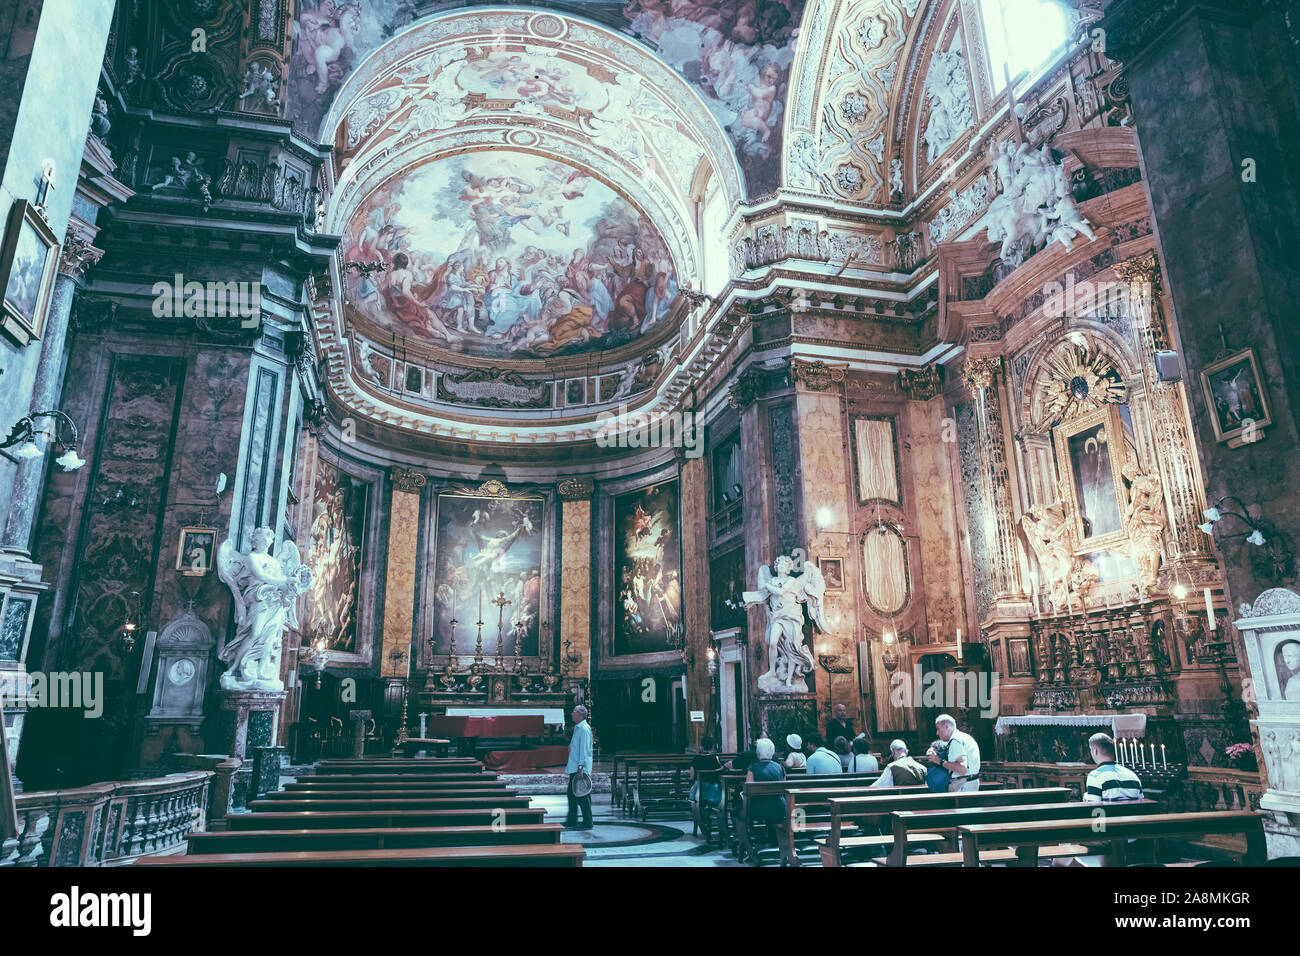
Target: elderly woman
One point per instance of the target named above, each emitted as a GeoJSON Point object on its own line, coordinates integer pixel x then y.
{"type": "Point", "coordinates": [769, 809]}
{"type": "Point", "coordinates": [795, 760]}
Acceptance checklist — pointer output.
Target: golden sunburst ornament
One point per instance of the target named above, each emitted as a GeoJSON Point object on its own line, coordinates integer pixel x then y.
{"type": "Point", "coordinates": [1078, 382]}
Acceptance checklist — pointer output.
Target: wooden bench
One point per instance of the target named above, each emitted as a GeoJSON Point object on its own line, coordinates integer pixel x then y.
{"type": "Point", "coordinates": [619, 786]}
{"type": "Point", "coordinates": [799, 791]}
{"type": "Point", "coordinates": [873, 809]}
{"type": "Point", "coordinates": [563, 854]}
{"type": "Point", "coordinates": [345, 819]}
{"type": "Point", "coordinates": [278, 841]}
{"type": "Point", "coordinates": [906, 823]}
{"type": "Point", "coordinates": [393, 783]}
{"type": "Point", "coordinates": [418, 746]}
{"type": "Point", "coordinates": [473, 802]}
{"type": "Point", "coordinates": [400, 766]}
{"type": "Point", "coordinates": [330, 781]}
{"type": "Point", "coordinates": [661, 785]}
{"type": "Point", "coordinates": [384, 793]}
{"type": "Point", "coordinates": [1028, 837]}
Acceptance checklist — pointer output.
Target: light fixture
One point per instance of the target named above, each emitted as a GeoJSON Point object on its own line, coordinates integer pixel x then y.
{"type": "Point", "coordinates": [824, 517]}
{"type": "Point", "coordinates": [1215, 513]}
{"type": "Point", "coordinates": [24, 434]}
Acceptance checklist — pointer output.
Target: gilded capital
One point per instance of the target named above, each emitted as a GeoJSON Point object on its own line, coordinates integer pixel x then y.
{"type": "Point", "coordinates": [816, 376]}
{"type": "Point", "coordinates": [406, 480]}
{"type": "Point", "coordinates": [1142, 269]}
{"type": "Point", "coordinates": [578, 488]}
{"type": "Point", "coordinates": [746, 388]}
{"type": "Point", "coordinates": [920, 385]}
{"type": "Point", "coordinates": [983, 372]}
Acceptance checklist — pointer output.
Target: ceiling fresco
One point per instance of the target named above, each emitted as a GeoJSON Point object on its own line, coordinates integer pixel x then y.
{"type": "Point", "coordinates": [736, 54]}
{"type": "Point", "coordinates": [508, 254]}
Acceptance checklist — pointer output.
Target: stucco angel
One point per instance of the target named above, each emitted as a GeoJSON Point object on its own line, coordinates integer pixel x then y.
{"type": "Point", "coordinates": [786, 598]}
{"type": "Point", "coordinates": [266, 592]}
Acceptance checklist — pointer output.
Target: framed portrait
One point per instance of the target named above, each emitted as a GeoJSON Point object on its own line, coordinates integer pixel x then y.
{"type": "Point", "coordinates": [1090, 451]}
{"type": "Point", "coordinates": [832, 570]}
{"type": "Point", "coordinates": [29, 257]}
{"type": "Point", "coordinates": [1234, 392]}
{"type": "Point", "coordinates": [647, 570]}
{"type": "Point", "coordinates": [1018, 657]}
{"type": "Point", "coordinates": [194, 551]}
{"type": "Point", "coordinates": [335, 553]}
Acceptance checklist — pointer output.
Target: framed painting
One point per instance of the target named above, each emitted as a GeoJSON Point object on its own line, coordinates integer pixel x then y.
{"type": "Point", "coordinates": [194, 551]}
{"type": "Point", "coordinates": [1234, 392]}
{"type": "Point", "coordinates": [832, 570]}
{"type": "Point", "coordinates": [1018, 661]}
{"type": "Point", "coordinates": [488, 567]}
{"type": "Point", "coordinates": [29, 257]}
{"type": "Point", "coordinates": [1090, 451]}
{"type": "Point", "coordinates": [647, 570]}
{"type": "Point", "coordinates": [334, 553]}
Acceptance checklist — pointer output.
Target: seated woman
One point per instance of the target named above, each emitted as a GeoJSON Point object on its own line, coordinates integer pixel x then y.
{"type": "Point", "coordinates": [707, 789]}
{"type": "Point", "coordinates": [795, 759]}
{"type": "Point", "coordinates": [769, 809]}
{"type": "Point", "coordinates": [862, 760]}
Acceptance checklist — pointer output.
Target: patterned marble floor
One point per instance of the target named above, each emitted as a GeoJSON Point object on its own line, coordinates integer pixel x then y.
{"type": "Point", "coordinates": [617, 841]}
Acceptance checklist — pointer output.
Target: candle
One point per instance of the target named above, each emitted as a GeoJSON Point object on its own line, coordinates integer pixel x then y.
{"type": "Point", "coordinates": [1209, 609]}
{"type": "Point", "coordinates": [959, 645]}
{"type": "Point", "coordinates": [1142, 756]}
{"type": "Point", "coordinates": [1153, 756]}
{"type": "Point", "coordinates": [480, 604]}
{"type": "Point", "coordinates": [1164, 764]}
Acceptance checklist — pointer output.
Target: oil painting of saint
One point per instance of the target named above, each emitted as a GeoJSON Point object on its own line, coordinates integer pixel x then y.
{"type": "Point", "coordinates": [647, 570]}
{"type": "Point", "coordinates": [488, 549]}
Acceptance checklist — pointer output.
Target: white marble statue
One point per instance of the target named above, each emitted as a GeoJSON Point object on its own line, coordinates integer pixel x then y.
{"type": "Point", "coordinates": [786, 597]}
{"type": "Point", "coordinates": [1035, 206]}
{"type": "Point", "coordinates": [266, 592]}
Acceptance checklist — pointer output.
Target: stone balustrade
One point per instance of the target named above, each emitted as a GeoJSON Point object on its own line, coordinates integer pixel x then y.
{"type": "Point", "coordinates": [107, 824]}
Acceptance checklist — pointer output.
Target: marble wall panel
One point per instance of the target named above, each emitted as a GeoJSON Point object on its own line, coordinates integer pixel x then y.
{"type": "Point", "coordinates": [576, 583]}
{"type": "Point", "coordinates": [399, 586]}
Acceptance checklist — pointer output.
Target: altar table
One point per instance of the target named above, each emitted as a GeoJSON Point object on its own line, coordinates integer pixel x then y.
{"type": "Point", "coordinates": [505, 725]}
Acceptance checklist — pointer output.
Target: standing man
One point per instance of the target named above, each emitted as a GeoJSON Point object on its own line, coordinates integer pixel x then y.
{"type": "Point", "coordinates": [840, 726]}
{"type": "Point", "coordinates": [963, 755]}
{"type": "Point", "coordinates": [580, 759]}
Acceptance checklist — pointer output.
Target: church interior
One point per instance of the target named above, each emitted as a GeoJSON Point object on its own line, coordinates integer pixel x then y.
{"type": "Point", "coordinates": [649, 433]}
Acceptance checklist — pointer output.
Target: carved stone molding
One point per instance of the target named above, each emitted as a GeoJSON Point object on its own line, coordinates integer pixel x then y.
{"type": "Point", "coordinates": [494, 489]}
{"type": "Point", "coordinates": [815, 376]}
{"type": "Point", "coordinates": [921, 385]}
{"type": "Point", "coordinates": [579, 488]}
{"type": "Point", "coordinates": [79, 252]}
{"type": "Point", "coordinates": [746, 388]}
{"type": "Point", "coordinates": [406, 480]}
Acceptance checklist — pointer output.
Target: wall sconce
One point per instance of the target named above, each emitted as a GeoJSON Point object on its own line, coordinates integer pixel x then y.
{"type": "Point", "coordinates": [889, 651]}
{"type": "Point", "coordinates": [25, 433]}
{"type": "Point", "coordinates": [316, 655]}
{"type": "Point", "coordinates": [131, 625]}
{"type": "Point", "coordinates": [1215, 514]}
{"type": "Point", "coordinates": [1274, 557]}
{"type": "Point", "coordinates": [712, 662]}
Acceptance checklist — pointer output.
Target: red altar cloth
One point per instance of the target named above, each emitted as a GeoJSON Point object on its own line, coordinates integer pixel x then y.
{"type": "Point", "coordinates": [522, 761]}
{"type": "Point", "coordinates": [507, 725]}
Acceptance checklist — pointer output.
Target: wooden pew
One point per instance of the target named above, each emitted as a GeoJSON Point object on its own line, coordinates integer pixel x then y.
{"type": "Point", "coordinates": [279, 841]}
{"type": "Point", "coordinates": [1027, 837]}
{"type": "Point", "coordinates": [908, 823]}
{"type": "Point", "coordinates": [309, 785]}
{"type": "Point", "coordinates": [383, 793]}
{"type": "Point", "coordinates": [661, 784]}
{"type": "Point", "coordinates": [562, 854]}
{"type": "Point", "coordinates": [873, 808]}
{"type": "Point", "coordinates": [474, 802]}
{"type": "Point", "coordinates": [800, 792]}
{"type": "Point", "coordinates": [363, 819]}
{"type": "Point", "coordinates": [620, 786]}
{"type": "Point", "coordinates": [401, 766]}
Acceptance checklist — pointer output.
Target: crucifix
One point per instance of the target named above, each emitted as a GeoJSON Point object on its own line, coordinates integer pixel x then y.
{"type": "Point", "coordinates": [46, 184]}
{"type": "Point", "coordinates": [501, 601]}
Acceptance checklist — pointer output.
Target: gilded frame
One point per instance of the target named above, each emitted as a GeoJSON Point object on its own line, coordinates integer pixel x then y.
{"type": "Point", "coordinates": [1108, 417]}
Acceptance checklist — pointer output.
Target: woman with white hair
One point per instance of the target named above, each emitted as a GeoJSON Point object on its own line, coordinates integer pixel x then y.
{"type": "Point", "coordinates": [769, 809]}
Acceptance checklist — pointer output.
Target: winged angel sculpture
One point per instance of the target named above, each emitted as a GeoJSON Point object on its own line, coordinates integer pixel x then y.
{"type": "Point", "coordinates": [266, 592]}
{"type": "Point", "coordinates": [786, 598]}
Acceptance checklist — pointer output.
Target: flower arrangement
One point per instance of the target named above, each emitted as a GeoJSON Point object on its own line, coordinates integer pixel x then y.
{"type": "Point", "coordinates": [1241, 756]}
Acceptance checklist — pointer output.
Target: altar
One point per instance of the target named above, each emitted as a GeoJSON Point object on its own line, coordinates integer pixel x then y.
{"type": "Point", "coordinates": [1061, 738]}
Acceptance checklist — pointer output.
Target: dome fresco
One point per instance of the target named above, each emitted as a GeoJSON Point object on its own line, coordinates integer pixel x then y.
{"type": "Point", "coordinates": [508, 254]}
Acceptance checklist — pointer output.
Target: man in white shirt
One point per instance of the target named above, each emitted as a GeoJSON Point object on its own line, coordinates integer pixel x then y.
{"type": "Point", "coordinates": [823, 759]}
{"type": "Point", "coordinates": [580, 758]}
{"type": "Point", "coordinates": [962, 758]}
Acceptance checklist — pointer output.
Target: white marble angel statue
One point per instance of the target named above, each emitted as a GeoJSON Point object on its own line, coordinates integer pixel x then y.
{"type": "Point", "coordinates": [786, 597]}
{"type": "Point", "coordinates": [266, 593]}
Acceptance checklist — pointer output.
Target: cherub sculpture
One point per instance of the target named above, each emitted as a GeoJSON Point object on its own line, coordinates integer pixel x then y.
{"type": "Point", "coordinates": [1144, 519]}
{"type": "Point", "coordinates": [266, 592]}
{"type": "Point", "coordinates": [786, 597]}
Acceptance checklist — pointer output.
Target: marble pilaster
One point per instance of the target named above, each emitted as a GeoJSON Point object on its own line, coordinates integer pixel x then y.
{"type": "Point", "coordinates": [575, 578]}
{"type": "Point", "coordinates": [399, 586]}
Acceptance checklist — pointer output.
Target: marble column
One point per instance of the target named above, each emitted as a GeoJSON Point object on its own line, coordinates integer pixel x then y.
{"type": "Point", "coordinates": [1167, 401]}
{"type": "Point", "coordinates": [982, 377]}
{"type": "Point", "coordinates": [24, 496]}
{"type": "Point", "coordinates": [695, 594]}
{"type": "Point", "coordinates": [575, 579]}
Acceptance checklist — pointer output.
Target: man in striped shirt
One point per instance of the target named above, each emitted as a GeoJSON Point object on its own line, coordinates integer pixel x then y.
{"type": "Point", "coordinates": [1110, 781]}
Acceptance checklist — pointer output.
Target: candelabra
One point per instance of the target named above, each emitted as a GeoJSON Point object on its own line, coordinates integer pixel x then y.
{"type": "Point", "coordinates": [25, 431]}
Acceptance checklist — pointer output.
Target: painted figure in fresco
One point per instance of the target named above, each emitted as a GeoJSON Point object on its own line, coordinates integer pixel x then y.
{"type": "Point", "coordinates": [786, 598]}
{"type": "Point", "coordinates": [325, 33]}
{"type": "Point", "coordinates": [266, 591]}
